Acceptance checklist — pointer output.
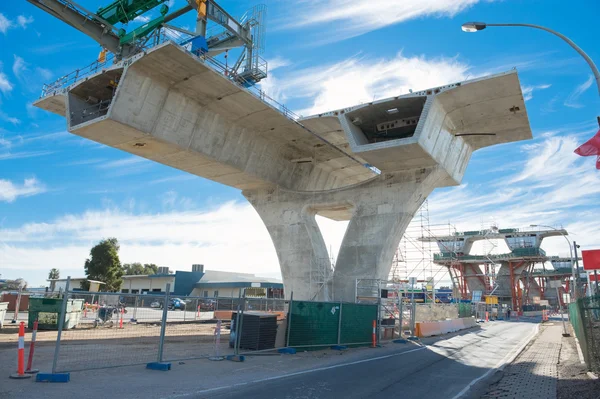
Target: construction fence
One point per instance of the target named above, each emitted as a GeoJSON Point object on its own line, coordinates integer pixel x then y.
{"type": "Point", "coordinates": [585, 319]}
{"type": "Point", "coordinates": [104, 330]}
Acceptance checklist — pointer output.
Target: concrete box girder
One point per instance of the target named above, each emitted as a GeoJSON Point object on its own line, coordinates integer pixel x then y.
{"type": "Point", "coordinates": [171, 107]}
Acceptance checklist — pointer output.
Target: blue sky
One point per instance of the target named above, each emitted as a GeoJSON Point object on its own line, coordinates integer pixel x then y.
{"type": "Point", "coordinates": [59, 194]}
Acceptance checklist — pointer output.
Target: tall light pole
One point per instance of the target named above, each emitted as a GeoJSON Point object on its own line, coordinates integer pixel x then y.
{"type": "Point", "coordinates": [573, 286]}
{"type": "Point", "coordinates": [477, 26]}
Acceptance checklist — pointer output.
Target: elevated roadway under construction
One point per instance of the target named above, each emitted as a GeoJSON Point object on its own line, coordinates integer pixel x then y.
{"type": "Point", "coordinates": [371, 164]}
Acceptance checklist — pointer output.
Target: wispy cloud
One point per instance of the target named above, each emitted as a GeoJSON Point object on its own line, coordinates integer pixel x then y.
{"type": "Point", "coordinates": [92, 161]}
{"type": "Point", "coordinates": [572, 100]}
{"type": "Point", "coordinates": [343, 19]}
{"type": "Point", "coordinates": [52, 48]}
{"type": "Point", "coordinates": [171, 179]}
{"type": "Point", "coordinates": [5, 85]}
{"type": "Point", "coordinates": [26, 154]}
{"type": "Point", "coordinates": [32, 78]}
{"type": "Point", "coordinates": [357, 80]}
{"type": "Point", "coordinates": [528, 90]}
{"type": "Point", "coordinates": [126, 166]}
{"type": "Point", "coordinates": [551, 185]}
{"type": "Point", "coordinates": [21, 22]}
{"type": "Point", "coordinates": [10, 191]}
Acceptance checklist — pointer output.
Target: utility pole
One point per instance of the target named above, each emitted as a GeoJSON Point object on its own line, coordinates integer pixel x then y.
{"type": "Point", "coordinates": [576, 272]}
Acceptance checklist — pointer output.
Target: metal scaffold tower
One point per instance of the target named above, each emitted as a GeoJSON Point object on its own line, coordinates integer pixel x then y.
{"type": "Point", "coordinates": [414, 256]}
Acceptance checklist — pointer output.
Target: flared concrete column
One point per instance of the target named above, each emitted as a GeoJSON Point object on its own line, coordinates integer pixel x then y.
{"type": "Point", "coordinates": [297, 239]}
{"type": "Point", "coordinates": [474, 278]}
{"type": "Point", "coordinates": [379, 212]}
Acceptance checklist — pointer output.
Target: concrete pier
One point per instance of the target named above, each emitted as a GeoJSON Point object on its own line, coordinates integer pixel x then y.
{"type": "Point", "coordinates": [372, 164]}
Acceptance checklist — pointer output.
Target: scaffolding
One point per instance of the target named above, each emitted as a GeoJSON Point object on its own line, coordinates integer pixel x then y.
{"type": "Point", "coordinates": [321, 274]}
{"type": "Point", "coordinates": [414, 256]}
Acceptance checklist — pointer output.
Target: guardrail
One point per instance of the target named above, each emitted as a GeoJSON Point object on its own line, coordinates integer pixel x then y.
{"type": "Point", "coordinates": [177, 39]}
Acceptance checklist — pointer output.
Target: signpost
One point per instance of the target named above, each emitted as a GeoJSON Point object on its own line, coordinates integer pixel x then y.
{"type": "Point", "coordinates": [413, 316]}
{"type": "Point", "coordinates": [558, 284]}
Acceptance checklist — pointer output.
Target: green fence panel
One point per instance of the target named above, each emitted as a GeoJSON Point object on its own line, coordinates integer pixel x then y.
{"type": "Point", "coordinates": [464, 310]}
{"type": "Point", "coordinates": [357, 323]}
{"type": "Point", "coordinates": [313, 323]}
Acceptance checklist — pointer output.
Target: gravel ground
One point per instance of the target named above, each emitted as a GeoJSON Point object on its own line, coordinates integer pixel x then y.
{"type": "Point", "coordinates": [573, 381]}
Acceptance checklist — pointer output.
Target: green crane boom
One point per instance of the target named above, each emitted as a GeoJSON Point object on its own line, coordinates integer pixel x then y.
{"type": "Point", "coordinates": [126, 10]}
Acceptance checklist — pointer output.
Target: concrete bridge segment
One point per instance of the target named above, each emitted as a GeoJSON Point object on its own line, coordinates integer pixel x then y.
{"type": "Point", "coordinates": [171, 107]}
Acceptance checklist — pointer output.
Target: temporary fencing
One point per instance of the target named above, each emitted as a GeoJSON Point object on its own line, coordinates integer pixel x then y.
{"type": "Point", "coordinates": [101, 330]}
{"type": "Point", "coordinates": [585, 318]}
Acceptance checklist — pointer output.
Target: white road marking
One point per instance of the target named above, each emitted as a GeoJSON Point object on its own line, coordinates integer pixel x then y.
{"type": "Point", "coordinates": [335, 366]}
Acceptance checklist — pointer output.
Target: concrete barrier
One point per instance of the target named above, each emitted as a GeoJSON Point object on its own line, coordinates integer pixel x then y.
{"type": "Point", "coordinates": [431, 328]}
{"type": "Point", "coordinates": [3, 308]}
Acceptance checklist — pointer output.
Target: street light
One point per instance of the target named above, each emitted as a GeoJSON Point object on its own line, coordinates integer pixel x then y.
{"type": "Point", "coordinates": [477, 26]}
{"type": "Point", "coordinates": [574, 285]}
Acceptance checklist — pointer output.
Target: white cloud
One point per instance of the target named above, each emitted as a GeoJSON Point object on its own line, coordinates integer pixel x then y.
{"type": "Point", "coordinates": [348, 18]}
{"type": "Point", "coordinates": [571, 101]}
{"type": "Point", "coordinates": [125, 166]}
{"type": "Point", "coordinates": [5, 24]}
{"type": "Point", "coordinates": [550, 185]}
{"type": "Point", "coordinates": [357, 80]}
{"type": "Point", "coordinates": [25, 154]}
{"type": "Point", "coordinates": [10, 191]}
{"type": "Point", "coordinates": [5, 85]}
{"type": "Point", "coordinates": [278, 62]}
{"type": "Point", "coordinates": [23, 21]}
{"type": "Point", "coordinates": [12, 120]}
{"type": "Point", "coordinates": [142, 19]}
{"type": "Point", "coordinates": [528, 90]}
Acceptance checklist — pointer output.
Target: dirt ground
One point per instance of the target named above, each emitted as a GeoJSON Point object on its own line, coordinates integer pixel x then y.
{"type": "Point", "coordinates": [573, 381]}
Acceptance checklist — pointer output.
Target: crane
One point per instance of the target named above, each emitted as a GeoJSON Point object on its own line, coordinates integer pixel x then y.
{"type": "Point", "coordinates": [107, 26]}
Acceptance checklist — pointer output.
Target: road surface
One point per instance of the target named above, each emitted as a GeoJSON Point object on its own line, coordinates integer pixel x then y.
{"type": "Point", "coordinates": [441, 370]}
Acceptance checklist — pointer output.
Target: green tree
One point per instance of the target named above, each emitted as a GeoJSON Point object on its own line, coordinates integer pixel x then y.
{"type": "Point", "coordinates": [136, 269]}
{"type": "Point", "coordinates": [104, 265]}
{"type": "Point", "coordinates": [53, 275]}
{"type": "Point", "coordinates": [150, 268]}
{"type": "Point", "coordinates": [133, 269]}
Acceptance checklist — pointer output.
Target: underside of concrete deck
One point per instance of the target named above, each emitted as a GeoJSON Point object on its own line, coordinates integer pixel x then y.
{"type": "Point", "coordinates": [170, 106]}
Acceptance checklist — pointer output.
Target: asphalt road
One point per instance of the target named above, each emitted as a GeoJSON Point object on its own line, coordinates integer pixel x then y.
{"type": "Point", "coordinates": [441, 370]}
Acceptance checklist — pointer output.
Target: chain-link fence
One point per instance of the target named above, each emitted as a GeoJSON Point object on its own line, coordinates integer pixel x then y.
{"type": "Point", "coordinates": [100, 330]}
{"type": "Point", "coordinates": [585, 318]}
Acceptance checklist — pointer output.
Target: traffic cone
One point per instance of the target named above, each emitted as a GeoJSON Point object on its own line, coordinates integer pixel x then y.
{"type": "Point", "coordinates": [21, 355]}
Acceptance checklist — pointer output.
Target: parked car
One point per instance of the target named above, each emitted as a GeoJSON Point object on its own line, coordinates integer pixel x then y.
{"type": "Point", "coordinates": [208, 304]}
{"type": "Point", "coordinates": [156, 304]}
{"type": "Point", "coordinates": [175, 304]}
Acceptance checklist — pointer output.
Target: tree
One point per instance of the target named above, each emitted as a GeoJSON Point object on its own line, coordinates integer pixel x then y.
{"type": "Point", "coordinates": [136, 269]}
{"type": "Point", "coordinates": [53, 275]}
{"type": "Point", "coordinates": [150, 268]}
{"type": "Point", "coordinates": [133, 269]}
{"type": "Point", "coordinates": [13, 284]}
{"type": "Point", "coordinates": [104, 265]}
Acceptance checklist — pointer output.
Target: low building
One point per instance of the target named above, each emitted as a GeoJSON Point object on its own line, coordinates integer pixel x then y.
{"type": "Point", "coordinates": [59, 284]}
{"type": "Point", "coordinates": [220, 284]}
{"type": "Point", "coordinates": [200, 283]}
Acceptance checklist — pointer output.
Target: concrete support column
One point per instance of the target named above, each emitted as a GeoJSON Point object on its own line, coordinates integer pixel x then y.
{"type": "Point", "coordinates": [379, 211]}
{"type": "Point", "coordinates": [297, 238]}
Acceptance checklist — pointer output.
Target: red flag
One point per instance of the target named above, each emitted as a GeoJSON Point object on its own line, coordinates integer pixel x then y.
{"type": "Point", "coordinates": [591, 147]}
